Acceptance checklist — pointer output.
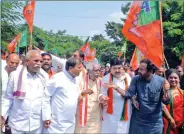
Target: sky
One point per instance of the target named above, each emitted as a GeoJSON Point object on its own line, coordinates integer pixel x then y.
{"type": "Point", "coordinates": [80, 18]}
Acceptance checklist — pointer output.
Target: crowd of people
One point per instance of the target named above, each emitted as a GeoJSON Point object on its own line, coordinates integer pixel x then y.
{"type": "Point", "coordinates": [43, 93]}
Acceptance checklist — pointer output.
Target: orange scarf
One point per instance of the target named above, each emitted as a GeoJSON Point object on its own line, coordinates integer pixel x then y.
{"type": "Point", "coordinates": [51, 73]}
{"type": "Point", "coordinates": [110, 101]}
{"type": "Point", "coordinates": [83, 104]}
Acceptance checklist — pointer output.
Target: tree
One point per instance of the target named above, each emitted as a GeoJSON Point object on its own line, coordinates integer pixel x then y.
{"type": "Point", "coordinates": [173, 23]}
{"type": "Point", "coordinates": [113, 30]}
{"type": "Point", "coordinates": [173, 29]}
{"type": "Point", "coordinates": [97, 37]}
{"type": "Point", "coordinates": [9, 17]}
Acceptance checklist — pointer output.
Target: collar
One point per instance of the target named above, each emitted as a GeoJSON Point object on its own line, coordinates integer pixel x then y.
{"type": "Point", "coordinates": [152, 77]}
{"type": "Point", "coordinates": [92, 81]}
{"type": "Point", "coordinates": [29, 74]}
{"type": "Point", "coordinates": [121, 79]}
{"type": "Point", "coordinates": [69, 76]}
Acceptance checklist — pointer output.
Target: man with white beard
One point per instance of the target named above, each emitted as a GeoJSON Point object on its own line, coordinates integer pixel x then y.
{"type": "Point", "coordinates": [24, 96]}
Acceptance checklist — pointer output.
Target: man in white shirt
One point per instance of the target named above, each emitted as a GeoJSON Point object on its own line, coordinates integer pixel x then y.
{"type": "Point", "coordinates": [114, 118]}
{"type": "Point", "coordinates": [24, 96]}
{"type": "Point", "coordinates": [63, 93]}
{"type": "Point", "coordinates": [7, 67]}
{"type": "Point", "coordinates": [11, 64]}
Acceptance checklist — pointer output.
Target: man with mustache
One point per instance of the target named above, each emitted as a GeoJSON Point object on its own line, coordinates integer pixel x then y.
{"type": "Point", "coordinates": [56, 61]}
{"type": "Point", "coordinates": [47, 64]}
{"type": "Point", "coordinates": [24, 96]}
{"type": "Point", "coordinates": [116, 110]}
{"type": "Point", "coordinates": [151, 91]}
{"type": "Point", "coordinates": [63, 93]}
{"type": "Point", "coordinates": [8, 66]}
{"type": "Point", "coordinates": [92, 114]}
{"type": "Point", "coordinates": [11, 64]}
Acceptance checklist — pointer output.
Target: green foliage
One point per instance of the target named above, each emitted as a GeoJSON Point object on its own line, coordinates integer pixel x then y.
{"type": "Point", "coordinates": [99, 37]}
{"type": "Point", "coordinates": [9, 17]}
{"type": "Point", "coordinates": [173, 24]}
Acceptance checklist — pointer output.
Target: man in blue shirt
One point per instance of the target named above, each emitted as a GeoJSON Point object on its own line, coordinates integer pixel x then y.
{"type": "Point", "coordinates": [151, 91]}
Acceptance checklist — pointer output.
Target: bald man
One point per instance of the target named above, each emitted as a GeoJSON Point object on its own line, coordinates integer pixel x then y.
{"type": "Point", "coordinates": [7, 66]}
{"type": "Point", "coordinates": [24, 96]}
{"type": "Point", "coordinates": [92, 118]}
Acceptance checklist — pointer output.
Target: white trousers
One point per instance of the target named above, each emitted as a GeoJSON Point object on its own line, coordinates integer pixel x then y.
{"type": "Point", "coordinates": [36, 131]}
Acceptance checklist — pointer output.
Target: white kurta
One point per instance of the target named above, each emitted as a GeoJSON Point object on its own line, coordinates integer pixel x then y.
{"type": "Point", "coordinates": [111, 122]}
{"type": "Point", "coordinates": [4, 76]}
{"type": "Point", "coordinates": [64, 92]}
{"type": "Point", "coordinates": [4, 80]}
{"type": "Point", "coordinates": [24, 114]}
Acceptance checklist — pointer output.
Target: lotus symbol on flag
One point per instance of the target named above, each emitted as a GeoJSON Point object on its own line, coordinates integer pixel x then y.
{"type": "Point", "coordinates": [87, 51]}
{"type": "Point", "coordinates": [146, 6]}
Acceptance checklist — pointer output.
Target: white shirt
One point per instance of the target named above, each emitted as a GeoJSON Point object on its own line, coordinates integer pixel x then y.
{"type": "Point", "coordinates": [64, 92]}
{"type": "Point", "coordinates": [4, 80]}
{"type": "Point", "coordinates": [25, 114]}
{"type": "Point", "coordinates": [128, 78]}
{"type": "Point", "coordinates": [4, 76]}
{"type": "Point", "coordinates": [111, 122]}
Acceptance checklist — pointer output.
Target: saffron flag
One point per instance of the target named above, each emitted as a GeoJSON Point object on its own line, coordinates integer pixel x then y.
{"type": "Point", "coordinates": [120, 54]}
{"type": "Point", "coordinates": [28, 13]}
{"type": "Point", "coordinates": [88, 52]}
{"type": "Point", "coordinates": [93, 54]}
{"type": "Point", "coordinates": [12, 46]}
{"type": "Point", "coordinates": [136, 58]}
{"type": "Point", "coordinates": [143, 28]}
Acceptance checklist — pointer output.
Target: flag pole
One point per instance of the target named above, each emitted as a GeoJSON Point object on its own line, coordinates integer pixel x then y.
{"type": "Point", "coordinates": [31, 39]}
{"type": "Point", "coordinates": [166, 63]}
{"type": "Point", "coordinates": [124, 56]}
{"type": "Point", "coordinates": [161, 28]}
{"type": "Point", "coordinates": [162, 39]}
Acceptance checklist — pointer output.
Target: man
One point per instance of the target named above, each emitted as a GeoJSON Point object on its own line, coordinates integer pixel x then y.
{"type": "Point", "coordinates": [24, 96]}
{"type": "Point", "coordinates": [107, 69]}
{"type": "Point", "coordinates": [127, 67]}
{"type": "Point", "coordinates": [180, 71]}
{"type": "Point", "coordinates": [12, 61]}
{"type": "Point", "coordinates": [4, 55]}
{"type": "Point", "coordinates": [160, 71]}
{"type": "Point", "coordinates": [11, 64]}
{"type": "Point", "coordinates": [114, 119]}
{"type": "Point", "coordinates": [92, 120]}
{"type": "Point", "coordinates": [62, 97]}
{"type": "Point", "coordinates": [56, 61]}
{"type": "Point", "coordinates": [22, 59]}
{"type": "Point", "coordinates": [102, 72]}
{"type": "Point", "coordinates": [47, 64]}
{"type": "Point", "coordinates": [151, 90]}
